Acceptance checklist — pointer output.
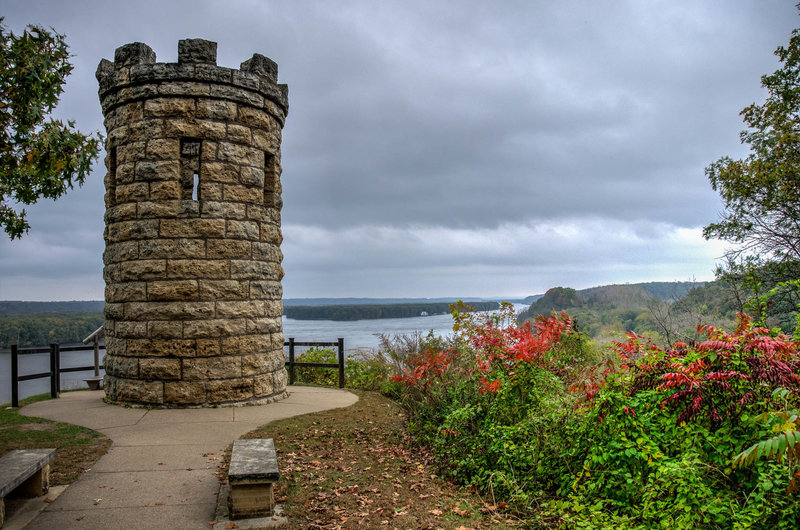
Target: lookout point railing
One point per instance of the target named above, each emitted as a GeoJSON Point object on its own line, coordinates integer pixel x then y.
{"type": "Point", "coordinates": [291, 363]}
{"type": "Point", "coordinates": [55, 371]}
{"type": "Point", "coordinates": [92, 343]}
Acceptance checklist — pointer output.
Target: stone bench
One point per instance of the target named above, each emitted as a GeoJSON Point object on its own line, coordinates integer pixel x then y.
{"type": "Point", "coordinates": [94, 382]}
{"type": "Point", "coordinates": [252, 473]}
{"type": "Point", "coordinates": [25, 468]}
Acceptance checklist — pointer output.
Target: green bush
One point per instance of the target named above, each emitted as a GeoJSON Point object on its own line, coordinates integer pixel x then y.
{"type": "Point", "coordinates": [317, 376]}
{"type": "Point", "coordinates": [645, 438]}
{"type": "Point", "coordinates": [364, 370]}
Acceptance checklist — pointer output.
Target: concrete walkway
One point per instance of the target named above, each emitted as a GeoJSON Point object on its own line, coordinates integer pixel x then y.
{"type": "Point", "coordinates": [159, 472]}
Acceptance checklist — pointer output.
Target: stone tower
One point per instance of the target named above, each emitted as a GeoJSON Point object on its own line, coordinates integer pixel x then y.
{"type": "Point", "coordinates": [193, 197]}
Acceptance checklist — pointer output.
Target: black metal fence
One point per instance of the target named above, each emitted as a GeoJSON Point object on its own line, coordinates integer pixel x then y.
{"type": "Point", "coordinates": [291, 363]}
{"type": "Point", "coordinates": [55, 371]}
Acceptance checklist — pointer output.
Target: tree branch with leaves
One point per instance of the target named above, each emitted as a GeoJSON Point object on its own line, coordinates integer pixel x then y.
{"type": "Point", "coordinates": [40, 157]}
{"type": "Point", "coordinates": [761, 192]}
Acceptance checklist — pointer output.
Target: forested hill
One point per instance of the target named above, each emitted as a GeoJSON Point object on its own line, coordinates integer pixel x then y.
{"type": "Point", "coordinates": [666, 311]}
{"type": "Point", "coordinates": [393, 301]}
{"type": "Point", "coordinates": [41, 329]}
{"type": "Point", "coordinates": [375, 311]}
{"type": "Point", "coordinates": [623, 296]}
{"type": "Point", "coordinates": [17, 307]}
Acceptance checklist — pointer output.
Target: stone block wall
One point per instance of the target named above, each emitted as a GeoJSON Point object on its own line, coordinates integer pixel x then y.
{"type": "Point", "coordinates": [193, 197]}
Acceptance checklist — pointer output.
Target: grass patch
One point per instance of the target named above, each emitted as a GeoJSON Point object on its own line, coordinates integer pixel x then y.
{"type": "Point", "coordinates": [357, 466]}
{"type": "Point", "coordinates": [78, 447]}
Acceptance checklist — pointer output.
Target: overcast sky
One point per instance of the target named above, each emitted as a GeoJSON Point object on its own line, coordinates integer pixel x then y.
{"type": "Point", "coordinates": [462, 148]}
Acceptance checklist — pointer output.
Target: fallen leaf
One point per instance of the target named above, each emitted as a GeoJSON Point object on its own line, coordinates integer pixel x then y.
{"type": "Point", "coordinates": [48, 499]}
{"type": "Point", "coordinates": [232, 525]}
{"type": "Point", "coordinates": [97, 501]}
{"type": "Point", "coordinates": [158, 503]}
{"type": "Point", "coordinates": [212, 523]}
{"type": "Point", "coordinates": [101, 485]}
{"type": "Point", "coordinates": [435, 512]}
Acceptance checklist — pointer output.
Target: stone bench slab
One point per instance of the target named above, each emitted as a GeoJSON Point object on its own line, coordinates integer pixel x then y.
{"type": "Point", "coordinates": [252, 472]}
{"type": "Point", "coordinates": [19, 465]}
{"type": "Point", "coordinates": [24, 468]}
{"type": "Point", "coordinates": [253, 461]}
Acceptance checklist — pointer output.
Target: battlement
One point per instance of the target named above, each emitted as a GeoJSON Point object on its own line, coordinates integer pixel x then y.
{"type": "Point", "coordinates": [136, 75]}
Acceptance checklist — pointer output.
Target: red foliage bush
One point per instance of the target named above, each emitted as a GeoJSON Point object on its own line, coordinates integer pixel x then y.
{"type": "Point", "coordinates": [494, 348]}
{"type": "Point", "coordinates": [709, 380]}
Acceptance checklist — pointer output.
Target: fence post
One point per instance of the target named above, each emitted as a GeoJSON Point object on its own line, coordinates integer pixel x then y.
{"type": "Point", "coordinates": [291, 360]}
{"type": "Point", "coordinates": [96, 357]}
{"type": "Point", "coordinates": [341, 362]}
{"type": "Point", "coordinates": [14, 376]}
{"type": "Point", "coordinates": [55, 370]}
{"type": "Point", "coordinates": [58, 368]}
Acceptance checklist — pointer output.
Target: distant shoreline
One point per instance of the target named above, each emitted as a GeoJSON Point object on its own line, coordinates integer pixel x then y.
{"type": "Point", "coordinates": [351, 312]}
{"type": "Point", "coordinates": [22, 306]}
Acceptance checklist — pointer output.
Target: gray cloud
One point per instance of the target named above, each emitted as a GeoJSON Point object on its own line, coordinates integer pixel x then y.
{"type": "Point", "coordinates": [437, 148]}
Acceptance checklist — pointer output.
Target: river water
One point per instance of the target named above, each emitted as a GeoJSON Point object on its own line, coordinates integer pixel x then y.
{"type": "Point", "coordinates": [357, 335]}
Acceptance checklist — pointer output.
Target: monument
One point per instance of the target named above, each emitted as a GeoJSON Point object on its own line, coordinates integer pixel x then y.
{"type": "Point", "coordinates": [192, 263]}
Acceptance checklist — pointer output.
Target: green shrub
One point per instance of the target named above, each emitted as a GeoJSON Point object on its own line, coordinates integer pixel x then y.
{"type": "Point", "coordinates": [313, 375]}
{"type": "Point", "coordinates": [645, 439]}
{"type": "Point", "coordinates": [363, 369]}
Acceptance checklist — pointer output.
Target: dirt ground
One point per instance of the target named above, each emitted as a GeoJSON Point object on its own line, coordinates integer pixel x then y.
{"type": "Point", "coordinates": [357, 466]}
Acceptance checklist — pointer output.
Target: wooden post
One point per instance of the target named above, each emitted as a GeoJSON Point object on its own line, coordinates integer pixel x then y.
{"type": "Point", "coordinates": [55, 370]}
{"type": "Point", "coordinates": [96, 357]}
{"type": "Point", "coordinates": [291, 360]}
{"type": "Point", "coordinates": [14, 376]}
{"type": "Point", "coordinates": [341, 362]}
{"type": "Point", "coordinates": [58, 368]}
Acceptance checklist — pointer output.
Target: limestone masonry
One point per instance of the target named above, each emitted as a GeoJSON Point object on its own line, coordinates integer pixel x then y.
{"type": "Point", "coordinates": [193, 230]}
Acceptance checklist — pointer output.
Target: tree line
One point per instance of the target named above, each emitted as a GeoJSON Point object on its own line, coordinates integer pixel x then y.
{"type": "Point", "coordinates": [376, 311]}
{"type": "Point", "coordinates": [40, 329]}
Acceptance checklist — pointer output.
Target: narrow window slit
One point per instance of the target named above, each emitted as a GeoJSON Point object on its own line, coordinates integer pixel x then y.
{"type": "Point", "coordinates": [190, 169]}
{"type": "Point", "coordinates": [111, 183]}
{"type": "Point", "coordinates": [196, 186]}
{"type": "Point", "coordinates": [269, 180]}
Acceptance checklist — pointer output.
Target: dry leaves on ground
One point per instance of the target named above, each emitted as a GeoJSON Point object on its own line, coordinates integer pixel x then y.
{"type": "Point", "coordinates": [339, 470]}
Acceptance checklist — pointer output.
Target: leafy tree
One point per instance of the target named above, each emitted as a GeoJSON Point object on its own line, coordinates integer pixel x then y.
{"type": "Point", "coordinates": [762, 192]}
{"type": "Point", "coordinates": [39, 156]}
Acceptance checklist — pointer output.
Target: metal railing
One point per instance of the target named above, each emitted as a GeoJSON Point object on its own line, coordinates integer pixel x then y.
{"type": "Point", "coordinates": [55, 371]}
{"type": "Point", "coordinates": [291, 363]}
{"type": "Point", "coordinates": [55, 368]}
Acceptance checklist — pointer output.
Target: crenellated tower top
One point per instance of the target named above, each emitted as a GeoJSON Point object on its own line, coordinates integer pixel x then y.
{"type": "Point", "coordinates": [134, 70]}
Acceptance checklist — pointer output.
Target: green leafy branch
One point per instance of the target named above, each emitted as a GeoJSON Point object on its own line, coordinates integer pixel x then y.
{"type": "Point", "coordinates": [784, 445]}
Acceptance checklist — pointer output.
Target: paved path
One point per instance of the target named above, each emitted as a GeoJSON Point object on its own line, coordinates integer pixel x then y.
{"type": "Point", "coordinates": [159, 472]}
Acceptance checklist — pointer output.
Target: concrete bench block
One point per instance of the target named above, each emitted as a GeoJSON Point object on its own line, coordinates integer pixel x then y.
{"type": "Point", "coordinates": [28, 469]}
{"type": "Point", "coordinates": [252, 474]}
